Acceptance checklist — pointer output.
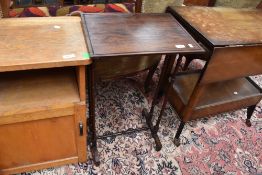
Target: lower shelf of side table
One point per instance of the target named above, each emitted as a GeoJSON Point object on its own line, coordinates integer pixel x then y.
{"type": "Point", "coordinates": [220, 96]}
{"type": "Point", "coordinates": [42, 120]}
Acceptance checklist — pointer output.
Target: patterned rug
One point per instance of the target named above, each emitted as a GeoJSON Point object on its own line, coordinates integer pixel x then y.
{"type": "Point", "coordinates": [218, 145]}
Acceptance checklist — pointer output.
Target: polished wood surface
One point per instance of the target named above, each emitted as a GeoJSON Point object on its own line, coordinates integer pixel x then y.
{"type": "Point", "coordinates": [223, 26]}
{"type": "Point", "coordinates": [209, 3]}
{"type": "Point", "coordinates": [34, 43]}
{"type": "Point", "coordinates": [136, 34]}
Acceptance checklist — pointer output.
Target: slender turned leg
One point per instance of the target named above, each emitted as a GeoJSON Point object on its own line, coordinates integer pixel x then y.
{"type": "Point", "coordinates": [250, 111]}
{"type": "Point", "coordinates": [156, 127]}
{"type": "Point", "coordinates": [166, 73]}
{"type": "Point", "coordinates": [92, 125]}
{"type": "Point", "coordinates": [179, 131]}
{"type": "Point", "coordinates": [149, 116]}
{"type": "Point", "coordinates": [149, 77]}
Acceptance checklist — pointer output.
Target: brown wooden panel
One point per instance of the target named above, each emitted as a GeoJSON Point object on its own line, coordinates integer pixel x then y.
{"type": "Point", "coordinates": [33, 43]}
{"type": "Point", "coordinates": [139, 34]}
{"type": "Point", "coordinates": [200, 2]}
{"type": "Point", "coordinates": [81, 140]}
{"type": "Point", "coordinates": [37, 141]}
{"type": "Point", "coordinates": [225, 107]}
{"type": "Point", "coordinates": [233, 62]}
{"type": "Point", "coordinates": [224, 26]}
{"type": "Point", "coordinates": [37, 90]}
{"type": "Point", "coordinates": [81, 80]}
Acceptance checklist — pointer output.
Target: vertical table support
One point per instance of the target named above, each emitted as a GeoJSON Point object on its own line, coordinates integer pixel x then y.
{"type": "Point", "coordinates": [92, 124]}
{"type": "Point", "coordinates": [169, 60]}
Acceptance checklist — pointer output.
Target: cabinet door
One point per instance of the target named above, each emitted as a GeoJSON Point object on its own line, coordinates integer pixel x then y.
{"type": "Point", "coordinates": [40, 144]}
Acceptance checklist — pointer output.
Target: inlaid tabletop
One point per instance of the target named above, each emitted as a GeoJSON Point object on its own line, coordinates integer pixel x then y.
{"type": "Point", "coordinates": [224, 26]}
{"type": "Point", "coordinates": [136, 34]}
{"type": "Point", "coordinates": [33, 43]}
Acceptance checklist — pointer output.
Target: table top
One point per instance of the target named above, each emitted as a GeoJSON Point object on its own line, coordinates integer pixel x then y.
{"type": "Point", "coordinates": [224, 26]}
{"type": "Point", "coordinates": [136, 34]}
{"type": "Point", "coordinates": [34, 43]}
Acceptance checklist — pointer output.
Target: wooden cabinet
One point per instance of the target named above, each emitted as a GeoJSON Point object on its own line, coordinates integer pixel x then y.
{"type": "Point", "coordinates": [42, 120]}
{"type": "Point", "coordinates": [42, 93]}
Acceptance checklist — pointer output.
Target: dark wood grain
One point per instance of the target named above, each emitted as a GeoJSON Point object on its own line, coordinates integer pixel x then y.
{"type": "Point", "coordinates": [136, 34]}
{"type": "Point", "coordinates": [224, 26]}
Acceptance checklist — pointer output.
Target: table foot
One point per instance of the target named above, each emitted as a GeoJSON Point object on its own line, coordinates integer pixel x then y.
{"type": "Point", "coordinates": [177, 142]}
{"type": "Point", "coordinates": [95, 156]}
{"type": "Point", "coordinates": [248, 122]}
{"type": "Point", "coordinates": [157, 141]}
{"type": "Point", "coordinates": [153, 131]}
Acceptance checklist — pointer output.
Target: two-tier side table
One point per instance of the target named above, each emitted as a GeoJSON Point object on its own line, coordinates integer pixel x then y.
{"type": "Point", "coordinates": [115, 35]}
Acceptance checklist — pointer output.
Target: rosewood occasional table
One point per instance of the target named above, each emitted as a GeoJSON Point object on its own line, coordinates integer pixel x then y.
{"type": "Point", "coordinates": [112, 35]}
{"type": "Point", "coordinates": [42, 93]}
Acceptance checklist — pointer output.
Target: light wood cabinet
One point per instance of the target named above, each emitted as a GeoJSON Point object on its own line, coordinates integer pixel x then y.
{"type": "Point", "coordinates": [42, 120]}
{"type": "Point", "coordinates": [42, 93]}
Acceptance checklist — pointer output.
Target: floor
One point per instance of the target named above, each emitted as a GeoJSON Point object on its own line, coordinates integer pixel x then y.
{"type": "Point", "coordinates": [218, 145]}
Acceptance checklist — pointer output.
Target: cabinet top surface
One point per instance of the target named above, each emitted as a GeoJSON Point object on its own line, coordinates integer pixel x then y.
{"type": "Point", "coordinates": [224, 26]}
{"type": "Point", "coordinates": [34, 43]}
{"type": "Point", "coordinates": [136, 34]}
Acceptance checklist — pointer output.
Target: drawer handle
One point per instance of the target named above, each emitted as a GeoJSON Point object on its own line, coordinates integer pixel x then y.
{"type": "Point", "coordinates": [81, 129]}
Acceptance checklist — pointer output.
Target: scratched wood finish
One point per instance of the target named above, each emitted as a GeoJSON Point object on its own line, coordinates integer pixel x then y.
{"type": "Point", "coordinates": [139, 34]}
{"type": "Point", "coordinates": [224, 26]}
{"type": "Point", "coordinates": [33, 43]}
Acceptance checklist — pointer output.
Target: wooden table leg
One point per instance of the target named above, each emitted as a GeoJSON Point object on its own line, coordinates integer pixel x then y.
{"type": "Point", "coordinates": [148, 116]}
{"type": "Point", "coordinates": [92, 125]}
